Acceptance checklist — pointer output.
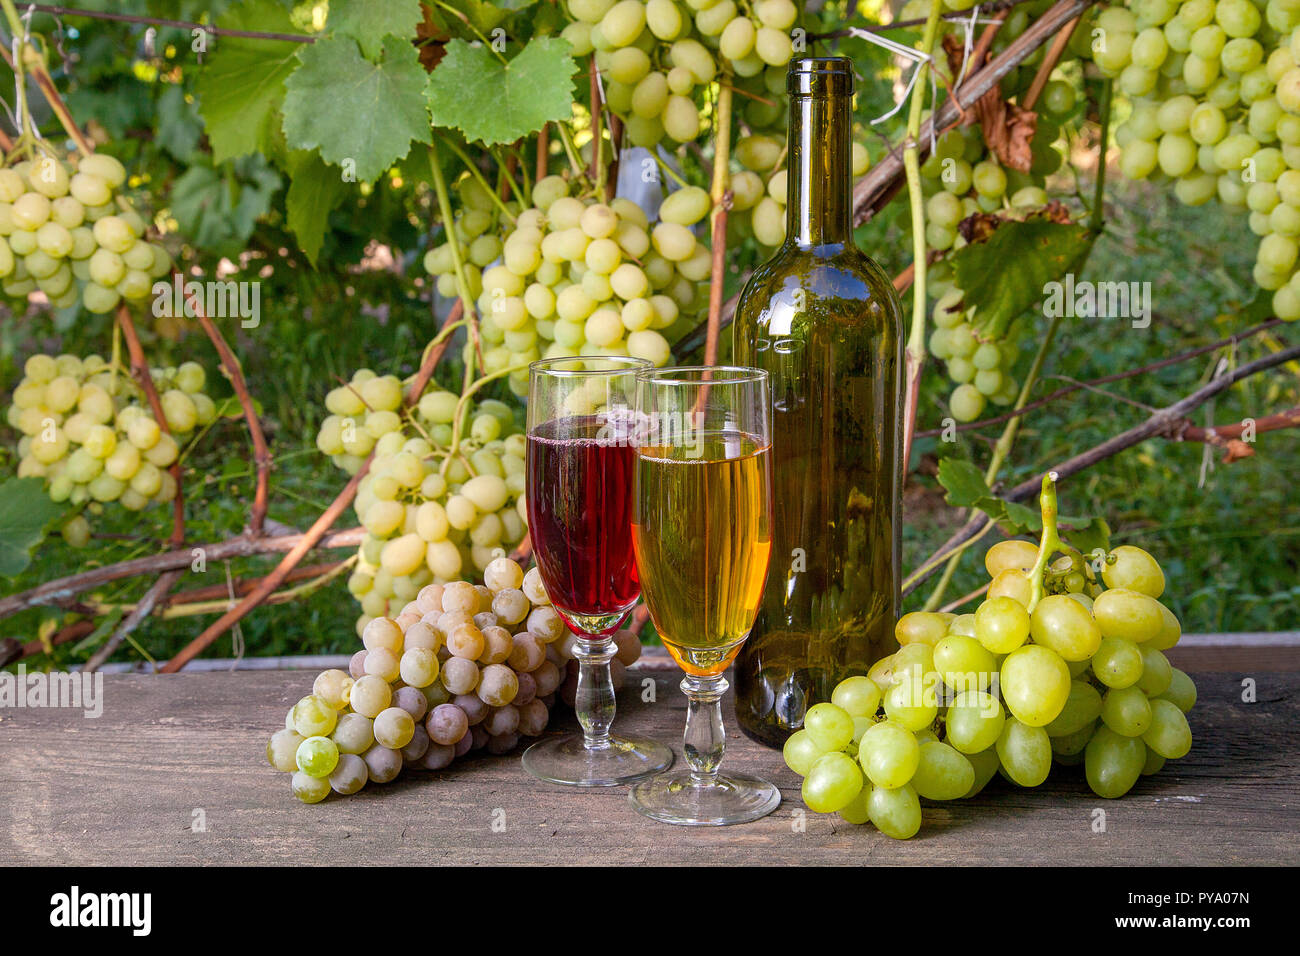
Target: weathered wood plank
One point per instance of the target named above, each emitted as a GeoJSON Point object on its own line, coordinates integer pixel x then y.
{"type": "Point", "coordinates": [123, 789]}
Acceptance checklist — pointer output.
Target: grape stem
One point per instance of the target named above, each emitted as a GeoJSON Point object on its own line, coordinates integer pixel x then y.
{"type": "Point", "coordinates": [27, 132]}
{"type": "Point", "coordinates": [457, 254]}
{"type": "Point", "coordinates": [478, 175]}
{"type": "Point", "coordinates": [179, 607]}
{"type": "Point", "coordinates": [570, 150]}
{"type": "Point", "coordinates": [671, 173]}
{"type": "Point", "coordinates": [720, 194]}
{"type": "Point", "coordinates": [1050, 542]}
{"type": "Point", "coordinates": [1164, 423]}
{"type": "Point", "coordinates": [41, 73]}
{"type": "Point", "coordinates": [596, 171]}
{"type": "Point", "coordinates": [466, 394]}
{"type": "Point", "coordinates": [914, 360]}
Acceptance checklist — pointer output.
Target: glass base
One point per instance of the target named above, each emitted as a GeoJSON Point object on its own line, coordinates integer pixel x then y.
{"type": "Point", "coordinates": [566, 761]}
{"type": "Point", "coordinates": [676, 798]}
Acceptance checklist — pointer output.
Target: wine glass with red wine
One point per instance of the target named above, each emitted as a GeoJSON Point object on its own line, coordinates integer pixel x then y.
{"type": "Point", "coordinates": [582, 450]}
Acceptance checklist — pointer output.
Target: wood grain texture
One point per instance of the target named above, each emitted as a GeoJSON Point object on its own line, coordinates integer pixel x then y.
{"type": "Point", "coordinates": [123, 788]}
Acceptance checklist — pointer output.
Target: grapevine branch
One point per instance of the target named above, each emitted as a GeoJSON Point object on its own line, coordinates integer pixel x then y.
{"type": "Point", "coordinates": [1229, 437]}
{"type": "Point", "coordinates": [1169, 422]}
{"type": "Point", "coordinates": [433, 355]}
{"type": "Point", "coordinates": [261, 453]}
{"type": "Point", "coordinates": [274, 579]}
{"type": "Point", "coordinates": [140, 368]}
{"type": "Point", "coordinates": [61, 591]}
{"type": "Point", "coordinates": [1105, 379]}
{"type": "Point", "coordinates": [156, 593]}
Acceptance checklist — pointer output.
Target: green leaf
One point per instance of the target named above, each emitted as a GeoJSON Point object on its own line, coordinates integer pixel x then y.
{"type": "Point", "coordinates": [217, 209]}
{"type": "Point", "coordinates": [314, 190]}
{"type": "Point", "coordinates": [179, 126]}
{"type": "Point", "coordinates": [1086, 537]}
{"type": "Point", "coordinates": [1004, 275]}
{"type": "Point", "coordinates": [967, 489]}
{"type": "Point", "coordinates": [483, 16]}
{"type": "Point", "coordinates": [355, 111]}
{"type": "Point", "coordinates": [106, 625]}
{"type": "Point", "coordinates": [369, 23]}
{"type": "Point", "coordinates": [25, 512]}
{"type": "Point", "coordinates": [965, 482]}
{"type": "Point", "coordinates": [242, 81]}
{"type": "Point", "coordinates": [494, 102]}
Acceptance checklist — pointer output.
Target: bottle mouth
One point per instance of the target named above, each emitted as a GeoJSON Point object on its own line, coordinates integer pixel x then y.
{"type": "Point", "coordinates": [820, 76]}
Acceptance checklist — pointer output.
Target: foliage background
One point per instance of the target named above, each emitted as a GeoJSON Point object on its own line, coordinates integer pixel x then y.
{"type": "Point", "coordinates": [1230, 543]}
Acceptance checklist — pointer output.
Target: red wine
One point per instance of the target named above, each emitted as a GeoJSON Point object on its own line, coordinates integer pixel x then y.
{"type": "Point", "coordinates": [580, 521]}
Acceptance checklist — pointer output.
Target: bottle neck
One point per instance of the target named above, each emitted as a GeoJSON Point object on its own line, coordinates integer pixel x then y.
{"type": "Point", "coordinates": [820, 154]}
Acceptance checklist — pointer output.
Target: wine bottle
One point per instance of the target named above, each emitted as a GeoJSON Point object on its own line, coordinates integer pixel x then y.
{"type": "Point", "coordinates": [825, 322]}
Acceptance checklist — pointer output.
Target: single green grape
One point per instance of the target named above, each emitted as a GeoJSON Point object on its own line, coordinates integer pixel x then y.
{"type": "Point", "coordinates": [942, 772]}
{"type": "Point", "coordinates": [833, 781]}
{"type": "Point", "coordinates": [317, 756]}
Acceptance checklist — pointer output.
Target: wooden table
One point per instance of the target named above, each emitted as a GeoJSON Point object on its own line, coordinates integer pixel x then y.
{"type": "Point", "coordinates": [127, 787]}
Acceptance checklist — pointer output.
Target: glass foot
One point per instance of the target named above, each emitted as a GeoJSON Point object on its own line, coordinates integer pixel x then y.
{"type": "Point", "coordinates": [565, 760]}
{"type": "Point", "coordinates": [678, 798]}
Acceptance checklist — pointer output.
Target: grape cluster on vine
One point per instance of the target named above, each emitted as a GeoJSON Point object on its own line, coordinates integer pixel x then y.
{"type": "Point", "coordinates": [441, 494]}
{"type": "Point", "coordinates": [1216, 110]}
{"type": "Point", "coordinates": [963, 178]}
{"type": "Point", "coordinates": [655, 56]}
{"type": "Point", "coordinates": [88, 430]}
{"type": "Point", "coordinates": [66, 232]}
{"type": "Point", "coordinates": [581, 277]}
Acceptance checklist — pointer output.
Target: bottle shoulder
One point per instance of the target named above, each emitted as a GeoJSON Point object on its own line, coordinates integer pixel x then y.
{"type": "Point", "coordinates": [816, 278]}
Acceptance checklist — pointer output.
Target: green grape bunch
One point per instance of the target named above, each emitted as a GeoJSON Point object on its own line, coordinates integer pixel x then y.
{"type": "Point", "coordinates": [1062, 663]}
{"type": "Point", "coordinates": [578, 276]}
{"type": "Point", "coordinates": [461, 667]}
{"type": "Point", "coordinates": [87, 429]}
{"type": "Point", "coordinates": [440, 495]}
{"type": "Point", "coordinates": [655, 56]}
{"type": "Point", "coordinates": [66, 232]}
{"type": "Point", "coordinates": [1215, 91]}
{"type": "Point", "coordinates": [963, 178]}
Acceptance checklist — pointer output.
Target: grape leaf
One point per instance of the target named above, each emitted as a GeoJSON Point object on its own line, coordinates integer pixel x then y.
{"type": "Point", "coordinates": [241, 83]}
{"type": "Point", "coordinates": [495, 102]}
{"type": "Point", "coordinates": [483, 16]}
{"type": "Point", "coordinates": [217, 209]}
{"type": "Point", "coordinates": [25, 512]}
{"type": "Point", "coordinates": [314, 190]}
{"type": "Point", "coordinates": [359, 114]}
{"type": "Point", "coordinates": [1006, 273]}
{"type": "Point", "coordinates": [369, 23]}
{"type": "Point", "coordinates": [179, 127]}
{"type": "Point", "coordinates": [967, 488]}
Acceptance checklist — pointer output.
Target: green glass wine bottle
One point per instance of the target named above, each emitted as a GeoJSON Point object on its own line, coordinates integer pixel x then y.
{"type": "Point", "coordinates": [825, 322]}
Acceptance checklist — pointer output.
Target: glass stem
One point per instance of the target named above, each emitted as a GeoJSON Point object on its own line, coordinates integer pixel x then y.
{"type": "Point", "coordinates": [595, 702]}
{"type": "Point", "coordinates": [704, 739]}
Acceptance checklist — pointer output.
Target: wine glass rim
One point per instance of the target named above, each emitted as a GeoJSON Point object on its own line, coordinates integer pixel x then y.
{"type": "Point", "coordinates": [629, 364]}
{"type": "Point", "coordinates": [693, 375]}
